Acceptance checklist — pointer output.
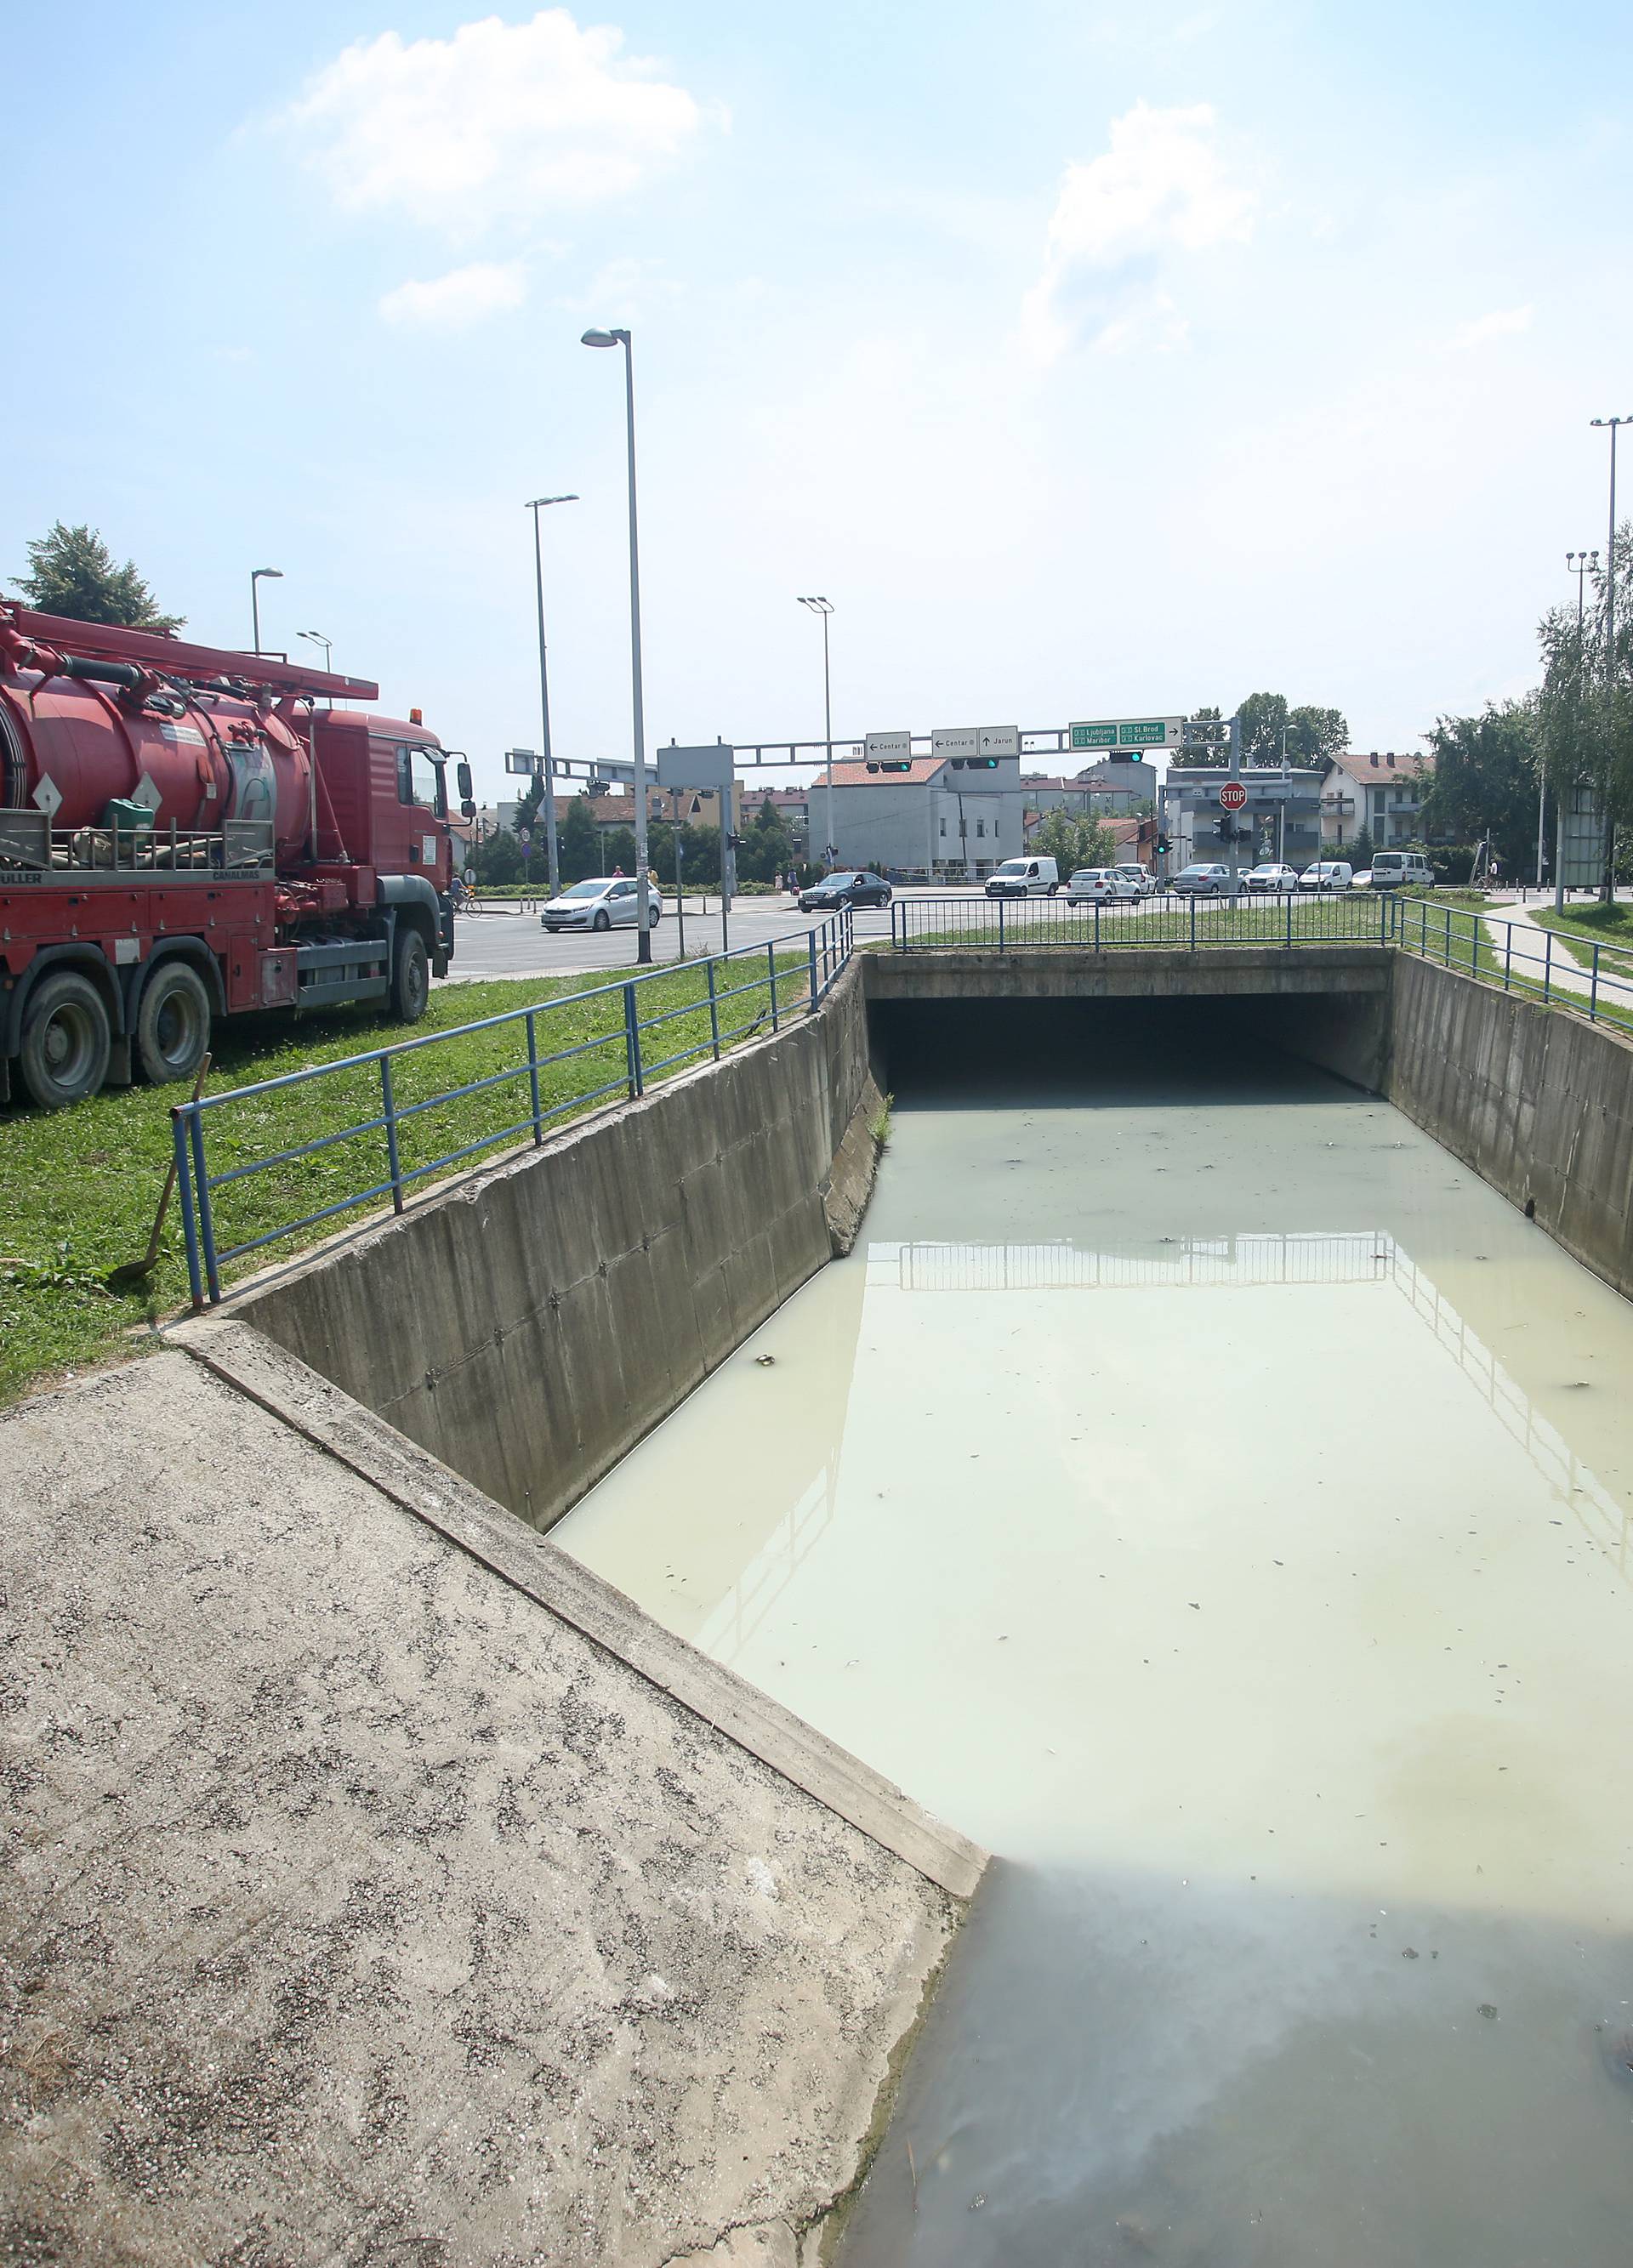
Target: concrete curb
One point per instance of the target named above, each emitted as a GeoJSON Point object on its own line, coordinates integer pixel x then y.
{"type": "Point", "coordinates": [245, 1360]}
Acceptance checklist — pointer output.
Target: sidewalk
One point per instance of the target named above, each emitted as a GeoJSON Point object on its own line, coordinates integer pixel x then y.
{"type": "Point", "coordinates": [1537, 952]}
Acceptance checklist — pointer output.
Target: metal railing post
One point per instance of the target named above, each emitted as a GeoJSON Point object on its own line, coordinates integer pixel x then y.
{"type": "Point", "coordinates": [811, 941]}
{"type": "Point", "coordinates": [1289, 921]}
{"type": "Point", "coordinates": [1508, 952]}
{"type": "Point", "coordinates": [1448, 957]}
{"type": "Point", "coordinates": [1000, 944]}
{"type": "Point", "coordinates": [714, 1009]}
{"type": "Point", "coordinates": [770, 968]}
{"type": "Point", "coordinates": [1191, 900]}
{"type": "Point", "coordinates": [533, 1077]}
{"type": "Point", "coordinates": [206, 1222]}
{"type": "Point", "coordinates": [184, 1191]}
{"type": "Point", "coordinates": [389, 1106]}
{"type": "Point", "coordinates": [1096, 924]}
{"type": "Point", "coordinates": [631, 1041]}
{"type": "Point", "coordinates": [1593, 987]}
{"type": "Point", "coordinates": [1548, 963]}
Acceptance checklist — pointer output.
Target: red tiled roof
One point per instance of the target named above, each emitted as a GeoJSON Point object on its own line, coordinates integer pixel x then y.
{"type": "Point", "coordinates": [856, 774]}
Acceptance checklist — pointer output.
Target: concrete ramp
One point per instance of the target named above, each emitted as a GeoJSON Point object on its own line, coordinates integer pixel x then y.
{"type": "Point", "coordinates": [382, 1887]}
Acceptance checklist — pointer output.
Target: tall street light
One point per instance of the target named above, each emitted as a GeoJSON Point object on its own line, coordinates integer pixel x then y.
{"type": "Point", "coordinates": [1581, 564]}
{"type": "Point", "coordinates": [825, 607]}
{"type": "Point", "coordinates": [643, 941]}
{"type": "Point", "coordinates": [1610, 425]}
{"type": "Point", "coordinates": [535, 506]}
{"type": "Point", "coordinates": [316, 637]}
{"type": "Point", "coordinates": [258, 575]}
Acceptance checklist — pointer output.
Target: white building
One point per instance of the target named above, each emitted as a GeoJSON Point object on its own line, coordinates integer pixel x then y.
{"type": "Point", "coordinates": [1383, 794]}
{"type": "Point", "coordinates": [930, 815]}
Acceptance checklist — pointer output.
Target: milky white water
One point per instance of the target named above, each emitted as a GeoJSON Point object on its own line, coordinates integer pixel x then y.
{"type": "Point", "coordinates": [1201, 1488]}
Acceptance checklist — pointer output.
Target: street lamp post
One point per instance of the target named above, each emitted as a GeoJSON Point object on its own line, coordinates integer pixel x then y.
{"type": "Point", "coordinates": [1610, 425]}
{"type": "Point", "coordinates": [1581, 564]}
{"type": "Point", "coordinates": [643, 945]}
{"type": "Point", "coordinates": [316, 637]}
{"type": "Point", "coordinates": [258, 575]}
{"type": "Point", "coordinates": [553, 848]}
{"type": "Point", "coordinates": [825, 607]}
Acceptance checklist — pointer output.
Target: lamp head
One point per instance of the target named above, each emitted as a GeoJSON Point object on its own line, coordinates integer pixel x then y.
{"type": "Point", "coordinates": [605, 339]}
{"type": "Point", "coordinates": [534, 503]}
{"type": "Point", "coordinates": [277, 573]}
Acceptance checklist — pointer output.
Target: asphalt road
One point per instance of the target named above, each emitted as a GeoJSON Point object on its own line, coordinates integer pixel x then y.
{"type": "Point", "coordinates": [513, 943]}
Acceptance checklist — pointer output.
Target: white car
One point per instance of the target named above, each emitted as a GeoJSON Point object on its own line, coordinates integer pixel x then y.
{"type": "Point", "coordinates": [1327, 874]}
{"type": "Point", "coordinates": [1271, 877]}
{"type": "Point", "coordinates": [1201, 881]}
{"type": "Point", "coordinates": [1143, 879]}
{"type": "Point", "coordinates": [1101, 885]}
{"type": "Point", "coordinates": [1023, 877]}
{"type": "Point", "coordinates": [611, 902]}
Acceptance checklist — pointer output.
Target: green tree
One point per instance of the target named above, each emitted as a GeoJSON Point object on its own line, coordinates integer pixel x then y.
{"type": "Point", "coordinates": [1485, 780]}
{"type": "Point", "coordinates": [1072, 839]}
{"type": "Point", "coordinates": [1360, 850]}
{"type": "Point", "coordinates": [71, 571]}
{"type": "Point", "coordinates": [1209, 745]}
{"type": "Point", "coordinates": [580, 844]}
{"type": "Point", "coordinates": [498, 858]}
{"type": "Point", "coordinates": [1315, 734]}
{"type": "Point", "coordinates": [767, 847]}
{"type": "Point", "coordinates": [1585, 710]}
{"type": "Point", "coordinates": [1264, 716]}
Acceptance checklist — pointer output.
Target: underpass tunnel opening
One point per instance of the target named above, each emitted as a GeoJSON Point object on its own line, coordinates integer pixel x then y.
{"type": "Point", "coordinates": [965, 1054]}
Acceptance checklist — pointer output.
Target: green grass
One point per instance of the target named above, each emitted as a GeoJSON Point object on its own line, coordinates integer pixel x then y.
{"type": "Point", "coordinates": [78, 1188]}
{"type": "Point", "coordinates": [1335, 920]}
{"type": "Point", "coordinates": [1580, 928]}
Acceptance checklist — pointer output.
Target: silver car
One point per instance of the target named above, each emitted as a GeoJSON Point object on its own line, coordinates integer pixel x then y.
{"type": "Point", "coordinates": [611, 903]}
{"type": "Point", "coordinates": [1201, 881]}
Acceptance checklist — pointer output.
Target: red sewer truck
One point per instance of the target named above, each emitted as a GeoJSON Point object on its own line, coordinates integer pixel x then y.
{"type": "Point", "coordinates": [188, 832]}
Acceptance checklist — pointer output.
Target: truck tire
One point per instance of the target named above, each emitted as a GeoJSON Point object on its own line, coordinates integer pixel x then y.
{"type": "Point", "coordinates": [66, 1040]}
{"type": "Point", "coordinates": [172, 1024]}
{"type": "Point", "coordinates": [410, 976]}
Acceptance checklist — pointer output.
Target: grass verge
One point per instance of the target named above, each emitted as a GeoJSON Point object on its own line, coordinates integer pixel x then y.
{"type": "Point", "coordinates": [78, 1188]}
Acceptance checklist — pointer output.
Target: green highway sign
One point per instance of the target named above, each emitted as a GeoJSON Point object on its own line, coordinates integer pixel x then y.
{"type": "Point", "coordinates": [1129, 732]}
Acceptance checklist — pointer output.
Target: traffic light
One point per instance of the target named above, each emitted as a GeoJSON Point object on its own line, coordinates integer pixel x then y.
{"type": "Point", "coordinates": [1162, 846]}
{"type": "Point", "coordinates": [890, 763]}
{"type": "Point", "coordinates": [974, 764]}
{"type": "Point", "coordinates": [733, 841]}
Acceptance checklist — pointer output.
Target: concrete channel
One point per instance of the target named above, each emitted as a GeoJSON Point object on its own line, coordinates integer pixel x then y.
{"type": "Point", "coordinates": [389, 1881]}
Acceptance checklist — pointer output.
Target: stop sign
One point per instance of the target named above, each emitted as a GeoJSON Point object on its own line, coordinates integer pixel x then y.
{"type": "Point", "coordinates": [1232, 795]}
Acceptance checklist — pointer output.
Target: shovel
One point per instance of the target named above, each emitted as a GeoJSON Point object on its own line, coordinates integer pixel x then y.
{"type": "Point", "coordinates": [134, 1273]}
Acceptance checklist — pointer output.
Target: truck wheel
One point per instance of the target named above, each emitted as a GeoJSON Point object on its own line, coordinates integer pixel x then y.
{"type": "Point", "coordinates": [172, 1024]}
{"type": "Point", "coordinates": [411, 977]}
{"type": "Point", "coordinates": [65, 1041]}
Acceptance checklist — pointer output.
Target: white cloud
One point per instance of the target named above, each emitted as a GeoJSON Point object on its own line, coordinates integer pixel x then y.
{"type": "Point", "coordinates": [465, 295]}
{"type": "Point", "coordinates": [1503, 323]}
{"type": "Point", "coordinates": [502, 119]}
{"type": "Point", "coordinates": [1161, 189]}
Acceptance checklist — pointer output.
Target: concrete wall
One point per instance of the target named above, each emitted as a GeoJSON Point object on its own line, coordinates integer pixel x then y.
{"type": "Point", "coordinates": [1138, 973]}
{"type": "Point", "coordinates": [533, 1324]}
{"type": "Point", "coordinates": [1538, 1102]}
{"type": "Point", "coordinates": [379, 1886]}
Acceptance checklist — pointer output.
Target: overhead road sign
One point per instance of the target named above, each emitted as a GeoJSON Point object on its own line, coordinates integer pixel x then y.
{"type": "Point", "coordinates": [1232, 795]}
{"type": "Point", "coordinates": [1119, 732]}
{"type": "Point", "coordinates": [710, 766]}
{"type": "Point", "coordinates": [889, 752]}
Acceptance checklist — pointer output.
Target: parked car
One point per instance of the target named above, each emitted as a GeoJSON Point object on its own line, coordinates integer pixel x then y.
{"type": "Point", "coordinates": [1271, 876]}
{"type": "Point", "coordinates": [1101, 886]}
{"type": "Point", "coordinates": [854, 886]}
{"type": "Point", "coordinates": [1144, 879]}
{"type": "Point", "coordinates": [1363, 881]}
{"type": "Point", "coordinates": [1394, 870]}
{"type": "Point", "coordinates": [1025, 878]}
{"type": "Point", "coordinates": [611, 903]}
{"type": "Point", "coordinates": [1327, 874]}
{"type": "Point", "coordinates": [1201, 881]}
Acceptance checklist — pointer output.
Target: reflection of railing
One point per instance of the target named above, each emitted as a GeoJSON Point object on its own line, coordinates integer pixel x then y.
{"type": "Point", "coordinates": [29, 841]}
{"type": "Point", "coordinates": [1209, 1262]}
{"type": "Point", "coordinates": [744, 1606]}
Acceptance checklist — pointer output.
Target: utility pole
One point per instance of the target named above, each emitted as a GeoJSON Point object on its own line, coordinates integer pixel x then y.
{"type": "Point", "coordinates": [535, 506]}
{"type": "Point", "coordinates": [1608, 891]}
{"type": "Point", "coordinates": [1581, 564]}
{"type": "Point", "coordinates": [643, 887]}
{"type": "Point", "coordinates": [825, 607]}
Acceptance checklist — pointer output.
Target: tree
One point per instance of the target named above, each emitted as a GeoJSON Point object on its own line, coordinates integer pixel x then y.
{"type": "Point", "coordinates": [1264, 716]}
{"type": "Point", "coordinates": [71, 571]}
{"type": "Point", "coordinates": [1314, 735]}
{"type": "Point", "coordinates": [1072, 841]}
{"type": "Point", "coordinates": [1485, 780]}
{"type": "Point", "coordinates": [767, 847]}
{"type": "Point", "coordinates": [1210, 744]}
{"type": "Point", "coordinates": [1584, 712]}
{"type": "Point", "coordinates": [580, 844]}
{"type": "Point", "coordinates": [1360, 852]}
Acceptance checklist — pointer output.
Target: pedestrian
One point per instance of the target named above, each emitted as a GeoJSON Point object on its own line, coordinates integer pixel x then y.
{"type": "Point", "coordinates": [617, 873]}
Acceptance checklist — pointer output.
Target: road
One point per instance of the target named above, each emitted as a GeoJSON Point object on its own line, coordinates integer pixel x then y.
{"type": "Point", "coordinates": [513, 943]}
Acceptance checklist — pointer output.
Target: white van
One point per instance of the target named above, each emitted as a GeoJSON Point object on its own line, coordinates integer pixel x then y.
{"type": "Point", "coordinates": [1327, 874]}
{"type": "Point", "coordinates": [1396, 870]}
{"type": "Point", "coordinates": [1023, 877]}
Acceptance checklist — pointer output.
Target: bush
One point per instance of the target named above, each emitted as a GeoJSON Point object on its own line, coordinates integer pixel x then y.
{"type": "Point", "coordinates": [1453, 863]}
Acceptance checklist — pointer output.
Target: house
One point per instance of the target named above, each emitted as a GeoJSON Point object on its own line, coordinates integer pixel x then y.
{"type": "Point", "coordinates": [1103, 790]}
{"type": "Point", "coordinates": [927, 815]}
{"type": "Point", "coordinates": [1381, 794]}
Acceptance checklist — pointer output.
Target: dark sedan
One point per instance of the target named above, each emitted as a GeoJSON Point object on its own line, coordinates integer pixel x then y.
{"type": "Point", "coordinates": [849, 890]}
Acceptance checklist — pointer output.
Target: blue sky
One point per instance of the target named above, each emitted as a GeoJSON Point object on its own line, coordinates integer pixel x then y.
{"type": "Point", "coordinates": [1092, 359]}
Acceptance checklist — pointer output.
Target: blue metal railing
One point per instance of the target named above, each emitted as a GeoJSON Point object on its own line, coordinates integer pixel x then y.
{"type": "Point", "coordinates": [1520, 957]}
{"type": "Point", "coordinates": [784, 992]}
